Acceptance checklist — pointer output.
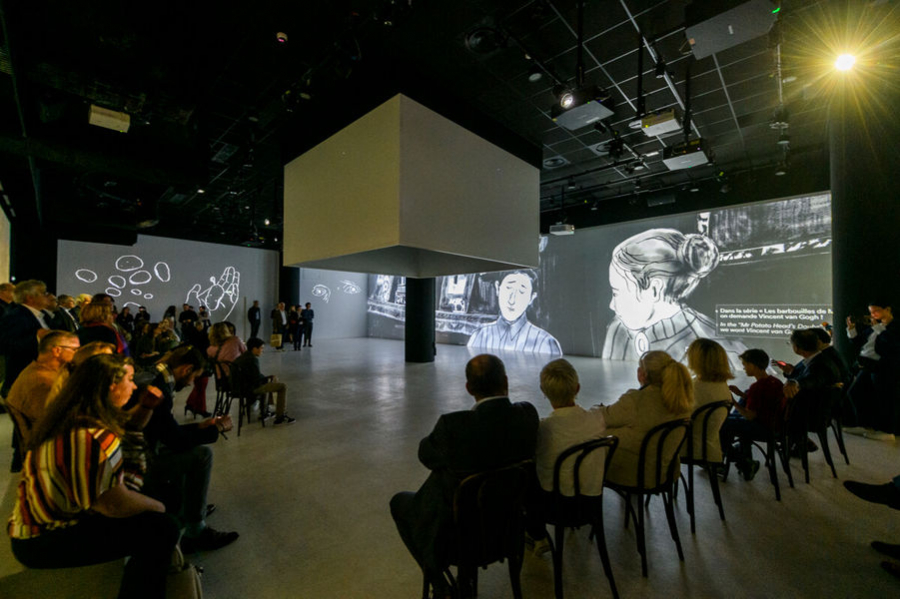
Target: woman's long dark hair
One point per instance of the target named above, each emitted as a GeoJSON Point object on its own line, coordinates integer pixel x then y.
{"type": "Point", "coordinates": [84, 400]}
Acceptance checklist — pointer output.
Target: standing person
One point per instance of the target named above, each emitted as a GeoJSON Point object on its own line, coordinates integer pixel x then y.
{"type": "Point", "coordinates": [63, 320]}
{"type": "Point", "coordinates": [97, 324]}
{"type": "Point", "coordinates": [279, 323]}
{"type": "Point", "coordinates": [494, 433]}
{"type": "Point", "coordinates": [141, 316]}
{"type": "Point", "coordinates": [254, 315]}
{"type": "Point", "coordinates": [72, 506]}
{"type": "Point", "coordinates": [296, 326]}
{"type": "Point", "coordinates": [196, 401]}
{"type": "Point", "coordinates": [307, 316]}
{"type": "Point", "coordinates": [186, 320]}
{"type": "Point", "coordinates": [204, 319]}
{"type": "Point", "coordinates": [21, 328]}
{"type": "Point", "coordinates": [125, 320]}
{"type": "Point", "coordinates": [7, 297]}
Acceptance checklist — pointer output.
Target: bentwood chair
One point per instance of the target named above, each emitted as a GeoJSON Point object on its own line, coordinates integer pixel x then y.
{"type": "Point", "coordinates": [488, 526]}
{"type": "Point", "coordinates": [580, 509]}
{"type": "Point", "coordinates": [663, 442]}
{"type": "Point", "coordinates": [245, 397]}
{"type": "Point", "coordinates": [704, 422]}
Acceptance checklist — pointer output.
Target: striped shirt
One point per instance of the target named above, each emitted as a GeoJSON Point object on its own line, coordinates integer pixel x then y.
{"type": "Point", "coordinates": [63, 478]}
{"type": "Point", "coordinates": [520, 336]}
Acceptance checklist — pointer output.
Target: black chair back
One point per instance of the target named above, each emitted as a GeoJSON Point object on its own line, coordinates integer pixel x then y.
{"type": "Point", "coordinates": [573, 459]}
{"type": "Point", "coordinates": [700, 420]}
{"type": "Point", "coordinates": [488, 514]}
{"type": "Point", "coordinates": [662, 441]}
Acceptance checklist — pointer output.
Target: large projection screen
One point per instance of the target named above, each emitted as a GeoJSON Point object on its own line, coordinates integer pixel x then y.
{"type": "Point", "coordinates": [159, 272]}
{"type": "Point", "coordinates": [743, 275]}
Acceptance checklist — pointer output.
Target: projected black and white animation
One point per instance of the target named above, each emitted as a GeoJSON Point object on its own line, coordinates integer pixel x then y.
{"type": "Point", "coordinates": [133, 282]}
{"type": "Point", "coordinates": [651, 276]}
{"type": "Point", "coordinates": [512, 331]}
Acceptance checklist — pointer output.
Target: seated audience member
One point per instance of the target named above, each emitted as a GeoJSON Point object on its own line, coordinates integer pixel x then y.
{"type": "Point", "coordinates": [81, 355]}
{"type": "Point", "coordinates": [248, 380]}
{"type": "Point", "coordinates": [179, 453]}
{"type": "Point", "coordinates": [72, 508]}
{"type": "Point", "coordinates": [709, 362]}
{"type": "Point", "coordinates": [27, 399]}
{"type": "Point", "coordinates": [126, 321]}
{"type": "Point", "coordinates": [141, 316]}
{"type": "Point", "coordinates": [568, 425]}
{"type": "Point", "coordinates": [224, 347]}
{"type": "Point", "coordinates": [493, 434]}
{"type": "Point", "coordinates": [875, 390]}
{"type": "Point", "coordinates": [97, 320]}
{"type": "Point", "coordinates": [759, 411]}
{"type": "Point", "coordinates": [145, 346]}
{"type": "Point", "coordinates": [830, 353]}
{"type": "Point", "coordinates": [196, 335]}
{"type": "Point", "coordinates": [164, 337]}
{"type": "Point", "coordinates": [21, 328]}
{"type": "Point", "coordinates": [666, 393]}
{"type": "Point", "coordinates": [886, 494]}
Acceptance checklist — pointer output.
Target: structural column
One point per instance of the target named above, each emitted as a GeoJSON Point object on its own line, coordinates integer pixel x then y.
{"type": "Point", "coordinates": [865, 186]}
{"type": "Point", "coordinates": [289, 285]}
{"type": "Point", "coordinates": [420, 297]}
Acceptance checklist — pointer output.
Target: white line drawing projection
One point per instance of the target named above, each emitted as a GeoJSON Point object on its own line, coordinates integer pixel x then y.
{"type": "Point", "coordinates": [128, 263]}
{"type": "Point", "coordinates": [322, 291]}
{"type": "Point", "coordinates": [140, 277]}
{"type": "Point", "coordinates": [220, 297]}
{"type": "Point", "coordinates": [133, 305]}
{"type": "Point", "coordinates": [116, 281]}
{"type": "Point", "coordinates": [113, 292]}
{"type": "Point", "coordinates": [85, 275]}
{"type": "Point", "coordinates": [349, 287]}
{"type": "Point", "coordinates": [148, 296]}
{"type": "Point", "coordinates": [162, 271]}
{"type": "Point", "coordinates": [136, 292]}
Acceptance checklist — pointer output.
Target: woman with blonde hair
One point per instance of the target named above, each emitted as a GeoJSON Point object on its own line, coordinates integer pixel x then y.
{"type": "Point", "coordinates": [709, 362]}
{"type": "Point", "coordinates": [97, 320]}
{"type": "Point", "coordinates": [666, 393]}
{"type": "Point", "coordinates": [72, 506]}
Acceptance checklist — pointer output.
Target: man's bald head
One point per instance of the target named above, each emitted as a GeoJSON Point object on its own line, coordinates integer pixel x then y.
{"type": "Point", "coordinates": [486, 377]}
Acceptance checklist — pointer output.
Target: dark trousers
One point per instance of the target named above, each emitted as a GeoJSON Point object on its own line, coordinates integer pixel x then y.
{"type": "Point", "coordinates": [404, 517]}
{"type": "Point", "coordinates": [296, 335]}
{"type": "Point", "coordinates": [875, 397]}
{"type": "Point", "coordinates": [254, 329]}
{"type": "Point", "coordinates": [307, 333]}
{"type": "Point", "coordinates": [186, 474]}
{"type": "Point", "coordinates": [148, 538]}
{"type": "Point", "coordinates": [745, 431]}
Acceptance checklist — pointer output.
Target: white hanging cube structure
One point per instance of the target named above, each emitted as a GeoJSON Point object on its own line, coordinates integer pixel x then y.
{"type": "Point", "coordinates": [405, 191]}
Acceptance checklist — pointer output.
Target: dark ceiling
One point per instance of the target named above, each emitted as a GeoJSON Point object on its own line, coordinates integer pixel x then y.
{"type": "Point", "coordinates": [218, 104]}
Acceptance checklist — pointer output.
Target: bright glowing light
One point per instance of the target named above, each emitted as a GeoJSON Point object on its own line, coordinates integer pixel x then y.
{"type": "Point", "coordinates": [567, 100]}
{"type": "Point", "coordinates": [844, 62]}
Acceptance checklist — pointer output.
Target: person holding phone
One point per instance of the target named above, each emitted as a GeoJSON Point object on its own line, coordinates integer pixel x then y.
{"type": "Point", "coordinates": [759, 410]}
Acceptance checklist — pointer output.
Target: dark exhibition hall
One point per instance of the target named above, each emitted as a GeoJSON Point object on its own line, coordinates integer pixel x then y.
{"type": "Point", "coordinates": [419, 298]}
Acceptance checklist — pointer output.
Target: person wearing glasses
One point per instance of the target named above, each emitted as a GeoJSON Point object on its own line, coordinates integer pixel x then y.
{"type": "Point", "coordinates": [27, 397]}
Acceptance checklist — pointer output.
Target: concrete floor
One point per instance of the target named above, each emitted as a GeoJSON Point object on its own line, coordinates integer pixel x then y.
{"type": "Point", "coordinates": [311, 500]}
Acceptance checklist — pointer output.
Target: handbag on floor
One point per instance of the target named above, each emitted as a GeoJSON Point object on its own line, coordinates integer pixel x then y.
{"type": "Point", "coordinates": [183, 581]}
{"type": "Point", "coordinates": [275, 340]}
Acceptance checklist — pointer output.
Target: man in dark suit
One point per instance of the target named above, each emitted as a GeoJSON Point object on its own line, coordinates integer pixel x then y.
{"type": "Point", "coordinates": [254, 315]}
{"type": "Point", "coordinates": [62, 317]}
{"type": "Point", "coordinates": [494, 433]}
{"type": "Point", "coordinates": [7, 295]}
{"type": "Point", "coordinates": [19, 329]}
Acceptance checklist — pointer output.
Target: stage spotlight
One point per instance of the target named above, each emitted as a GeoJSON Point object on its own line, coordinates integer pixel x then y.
{"type": "Point", "coordinates": [267, 221]}
{"type": "Point", "coordinates": [201, 190]}
{"type": "Point", "coordinates": [567, 99]}
{"type": "Point", "coordinates": [844, 62]}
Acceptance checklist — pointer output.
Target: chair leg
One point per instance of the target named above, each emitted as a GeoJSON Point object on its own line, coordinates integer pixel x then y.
{"type": "Point", "coordinates": [689, 492]}
{"type": "Point", "coordinates": [600, 535]}
{"type": "Point", "coordinates": [639, 533]}
{"type": "Point", "coordinates": [559, 534]}
{"type": "Point", "coordinates": [838, 430]}
{"type": "Point", "coordinates": [717, 496]}
{"type": "Point", "coordinates": [783, 449]}
{"type": "Point", "coordinates": [826, 451]}
{"type": "Point", "coordinates": [515, 580]}
{"type": "Point", "coordinates": [425, 586]}
{"type": "Point", "coordinates": [802, 444]}
{"type": "Point", "coordinates": [241, 402]}
{"type": "Point", "coordinates": [772, 465]}
{"type": "Point", "coordinates": [673, 528]}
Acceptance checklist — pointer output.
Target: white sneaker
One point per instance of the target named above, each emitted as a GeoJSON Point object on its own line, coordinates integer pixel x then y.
{"type": "Point", "coordinates": [879, 436]}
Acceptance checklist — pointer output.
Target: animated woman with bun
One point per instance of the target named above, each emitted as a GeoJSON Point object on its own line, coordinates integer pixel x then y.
{"type": "Point", "coordinates": [651, 275]}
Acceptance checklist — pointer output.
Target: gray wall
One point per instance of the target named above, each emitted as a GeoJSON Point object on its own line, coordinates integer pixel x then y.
{"type": "Point", "coordinates": [339, 302]}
